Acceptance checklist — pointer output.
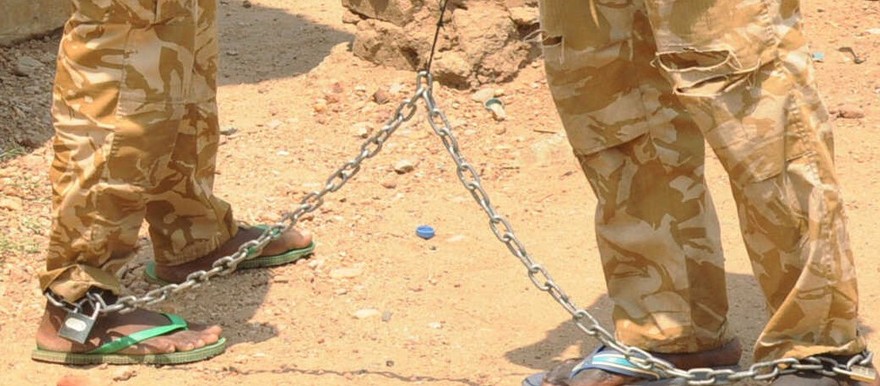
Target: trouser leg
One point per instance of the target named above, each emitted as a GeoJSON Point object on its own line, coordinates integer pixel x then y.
{"type": "Point", "coordinates": [186, 220]}
{"type": "Point", "coordinates": [743, 70]}
{"type": "Point", "coordinates": [124, 74]}
{"type": "Point", "coordinates": [657, 232]}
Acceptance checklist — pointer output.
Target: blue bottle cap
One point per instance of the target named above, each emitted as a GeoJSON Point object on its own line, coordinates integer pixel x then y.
{"type": "Point", "coordinates": [425, 231]}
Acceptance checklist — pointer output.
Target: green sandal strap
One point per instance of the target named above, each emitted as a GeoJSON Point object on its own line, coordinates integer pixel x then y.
{"type": "Point", "coordinates": [177, 323]}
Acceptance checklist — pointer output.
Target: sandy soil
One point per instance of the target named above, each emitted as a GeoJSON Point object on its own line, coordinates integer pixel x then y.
{"type": "Point", "coordinates": [454, 310]}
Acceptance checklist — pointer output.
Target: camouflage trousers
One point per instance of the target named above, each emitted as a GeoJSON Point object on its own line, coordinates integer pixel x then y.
{"type": "Point", "coordinates": [136, 139]}
{"type": "Point", "coordinates": [641, 86]}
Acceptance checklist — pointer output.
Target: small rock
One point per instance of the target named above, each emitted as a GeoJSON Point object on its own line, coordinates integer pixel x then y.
{"type": "Point", "coordinates": [389, 183]}
{"type": "Point", "coordinates": [231, 53]}
{"type": "Point", "coordinates": [26, 66]}
{"type": "Point", "coordinates": [333, 98]}
{"type": "Point", "coordinates": [396, 88]}
{"type": "Point", "coordinates": [315, 264]}
{"type": "Point", "coordinates": [274, 124]}
{"type": "Point", "coordinates": [282, 153]}
{"type": "Point", "coordinates": [381, 97]}
{"type": "Point", "coordinates": [435, 325]}
{"type": "Point", "coordinates": [229, 130]}
{"type": "Point", "coordinates": [524, 16]}
{"type": "Point", "coordinates": [363, 129]}
{"type": "Point", "coordinates": [11, 203]}
{"type": "Point", "coordinates": [404, 166]}
{"type": "Point", "coordinates": [346, 273]}
{"type": "Point", "coordinates": [366, 313]}
{"type": "Point", "coordinates": [386, 316]}
{"type": "Point", "coordinates": [76, 380]}
{"type": "Point", "coordinates": [320, 105]}
{"type": "Point", "coordinates": [850, 112]}
{"type": "Point", "coordinates": [124, 374]}
{"type": "Point", "coordinates": [483, 95]}
{"type": "Point", "coordinates": [246, 4]}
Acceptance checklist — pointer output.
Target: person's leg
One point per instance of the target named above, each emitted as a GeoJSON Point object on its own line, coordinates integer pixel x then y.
{"type": "Point", "coordinates": [106, 149]}
{"type": "Point", "coordinates": [189, 226]}
{"type": "Point", "coordinates": [186, 220]}
{"type": "Point", "coordinates": [744, 72]}
{"type": "Point", "coordinates": [656, 227]}
{"type": "Point", "coordinates": [657, 231]}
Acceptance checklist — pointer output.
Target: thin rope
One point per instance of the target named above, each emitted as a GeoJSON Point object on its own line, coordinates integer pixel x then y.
{"type": "Point", "coordinates": [436, 35]}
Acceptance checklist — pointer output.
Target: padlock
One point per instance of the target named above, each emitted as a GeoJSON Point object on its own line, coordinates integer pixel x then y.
{"type": "Point", "coordinates": [77, 325]}
{"type": "Point", "coordinates": [860, 373]}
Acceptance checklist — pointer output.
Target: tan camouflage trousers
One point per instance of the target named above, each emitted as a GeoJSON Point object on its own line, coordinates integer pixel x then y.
{"type": "Point", "coordinates": [136, 139]}
{"type": "Point", "coordinates": [641, 86]}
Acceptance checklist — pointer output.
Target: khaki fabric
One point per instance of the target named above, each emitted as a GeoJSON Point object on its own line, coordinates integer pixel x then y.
{"type": "Point", "coordinates": [641, 86]}
{"type": "Point", "coordinates": [136, 139]}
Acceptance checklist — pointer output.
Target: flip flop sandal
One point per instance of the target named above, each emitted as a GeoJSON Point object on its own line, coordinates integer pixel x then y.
{"type": "Point", "coordinates": [614, 362]}
{"type": "Point", "coordinates": [107, 352]}
{"type": "Point", "coordinates": [256, 262]}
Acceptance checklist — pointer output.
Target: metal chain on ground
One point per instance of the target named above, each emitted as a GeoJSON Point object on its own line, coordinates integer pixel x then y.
{"type": "Point", "coordinates": [583, 319]}
{"type": "Point", "coordinates": [312, 201]}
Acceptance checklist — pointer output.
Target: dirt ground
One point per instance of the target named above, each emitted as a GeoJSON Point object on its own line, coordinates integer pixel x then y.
{"type": "Point", "coordinates": [377, 305]}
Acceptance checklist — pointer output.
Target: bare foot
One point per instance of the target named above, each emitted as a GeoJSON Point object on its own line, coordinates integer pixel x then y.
{"type": "Point", "coordinates": [292, 239]}
{"type": "Point", "coordinates": [115, 325]}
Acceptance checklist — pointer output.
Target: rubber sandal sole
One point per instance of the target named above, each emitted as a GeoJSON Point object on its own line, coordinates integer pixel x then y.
{"type": "Point", "coordinates": [537, 379]}
{"type": "Point", "coordinates": [108, 352]}
{"type": "Point", "coordinates": [257, 262]}
{"type": "Point", "coordinates": [196, 355]}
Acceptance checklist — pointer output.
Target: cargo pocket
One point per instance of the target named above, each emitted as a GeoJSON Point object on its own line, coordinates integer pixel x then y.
{"type": "Point", "coordinates": [137, 13]}
{"type": "Point", "coordinates": [707, 46]}
{"type": "Point", "coordinates": [156, 79]}
{"type": "Point", "coordinates": [722, 59]}
{"type": "Point", "coordinates": [158, 61]}
{"type": "Point", "coordinates": [587, 46]}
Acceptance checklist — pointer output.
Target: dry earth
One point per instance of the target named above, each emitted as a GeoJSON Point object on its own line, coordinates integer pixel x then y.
{"type": "Point", "coordinates": [454, 310]}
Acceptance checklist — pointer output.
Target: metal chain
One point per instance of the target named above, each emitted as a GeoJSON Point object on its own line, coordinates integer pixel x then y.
{"type": "Point", "coordinates": [582, 318]}
{"type": "Point", "coordinates": [502, 229]}
{"type": "Point", "coordinates": [312, 201]}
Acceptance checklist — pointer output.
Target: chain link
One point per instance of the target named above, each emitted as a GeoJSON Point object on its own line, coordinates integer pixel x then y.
{"type": "Point", "coordinates": [503, 230]}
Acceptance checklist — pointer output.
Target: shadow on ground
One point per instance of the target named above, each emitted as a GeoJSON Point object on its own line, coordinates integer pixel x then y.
{"type": "Point", "coordinates": [262, 43]}
{"type": "Point", "coordinates": [747, 317]}
{"type": "Point", "coordinates": [256, 44]}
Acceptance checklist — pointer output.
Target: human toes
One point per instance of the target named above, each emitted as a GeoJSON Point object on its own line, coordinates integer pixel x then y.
{"type": "Point", "coordinates": [290, 239]}
{"type": "Point", "coordinates": [299, 238]}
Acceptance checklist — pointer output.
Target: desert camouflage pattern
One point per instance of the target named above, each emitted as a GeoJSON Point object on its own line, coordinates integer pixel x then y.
{"type": "Point", "coordinates": [641, 86]}
{"type": "Point", "coordinates": [136, 139]}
